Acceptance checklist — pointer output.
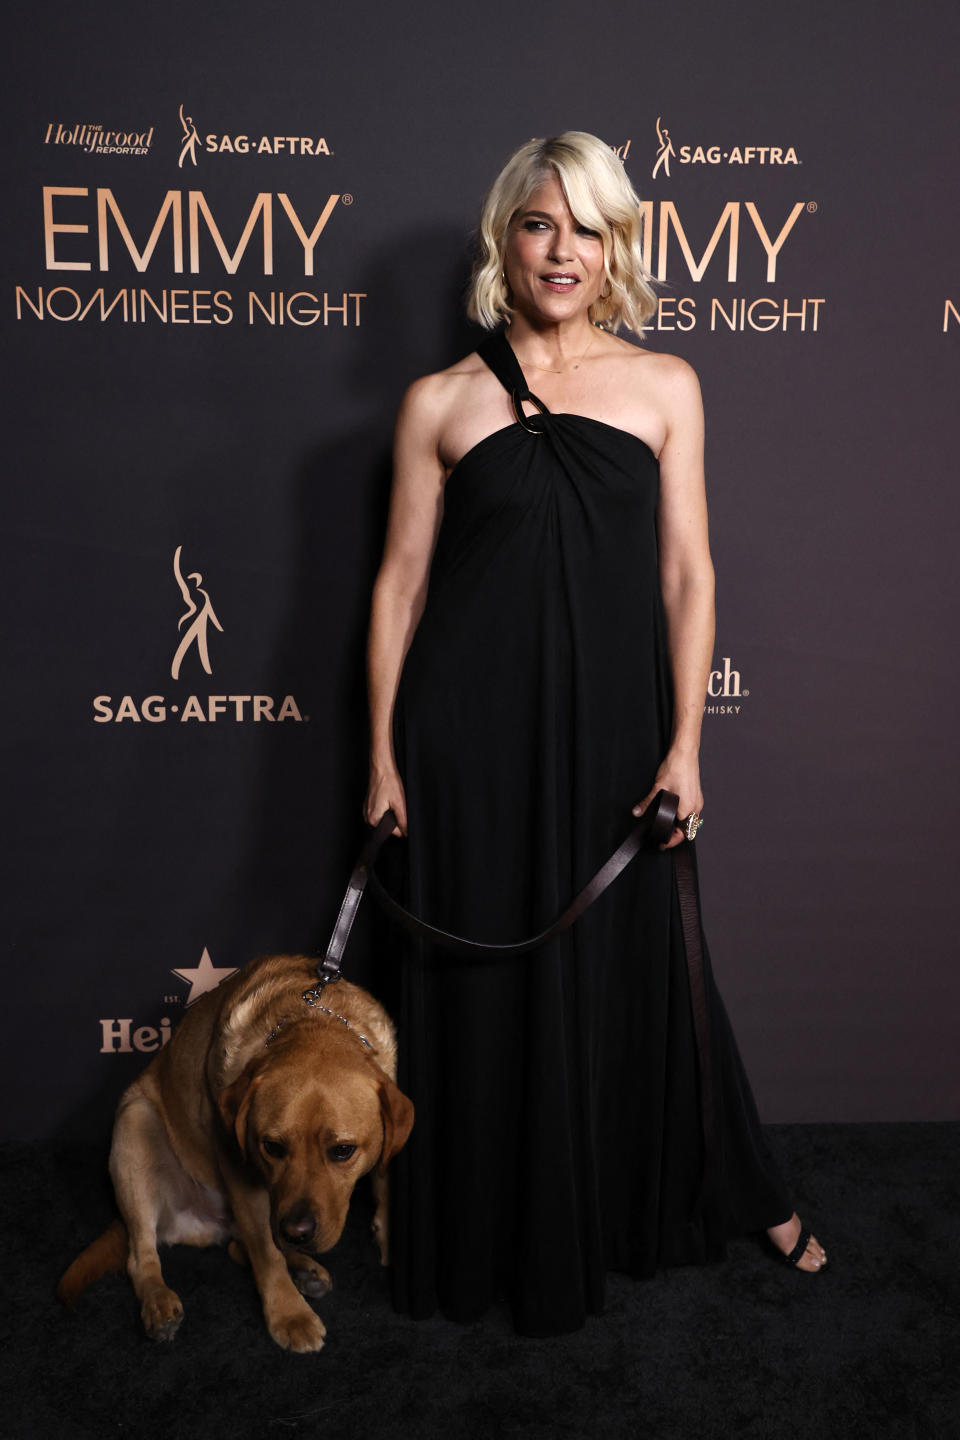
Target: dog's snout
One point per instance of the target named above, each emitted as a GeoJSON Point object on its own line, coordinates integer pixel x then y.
{"type": "Point", "coordinates": [299, 1226]}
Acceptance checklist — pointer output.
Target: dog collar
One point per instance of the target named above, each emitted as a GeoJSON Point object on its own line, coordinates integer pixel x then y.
{"type": "Point", "coordinates": [310, 996]}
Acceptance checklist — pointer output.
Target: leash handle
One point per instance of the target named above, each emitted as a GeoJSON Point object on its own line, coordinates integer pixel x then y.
{"type": "Point", "coordinates": [655, 826]}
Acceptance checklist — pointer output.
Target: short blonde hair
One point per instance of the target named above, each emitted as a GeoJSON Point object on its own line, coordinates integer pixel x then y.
{"type": "Point", "coordinates": [600, 196]}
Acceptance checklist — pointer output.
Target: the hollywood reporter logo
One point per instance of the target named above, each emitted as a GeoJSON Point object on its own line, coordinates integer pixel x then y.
{"type": "Point", "coordinates": [194, 635]}
{"type": "Point", "coordinates": [97, 140]}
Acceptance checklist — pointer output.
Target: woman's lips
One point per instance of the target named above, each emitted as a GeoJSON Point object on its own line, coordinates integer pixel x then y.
{"type": "Point", "coordinates": [559, 282]}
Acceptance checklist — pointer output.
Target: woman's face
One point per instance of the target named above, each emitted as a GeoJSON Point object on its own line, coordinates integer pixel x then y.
{"type": "Point", "coordinates": [553, 265]}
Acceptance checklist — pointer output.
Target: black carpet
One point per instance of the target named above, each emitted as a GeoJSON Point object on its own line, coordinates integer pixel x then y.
{"type": "Point", "coordinates": [745, 1348]}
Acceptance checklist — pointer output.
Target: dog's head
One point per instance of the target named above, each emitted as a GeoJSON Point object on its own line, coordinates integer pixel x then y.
{"type": "Point", "coordinates": [313, 1113]}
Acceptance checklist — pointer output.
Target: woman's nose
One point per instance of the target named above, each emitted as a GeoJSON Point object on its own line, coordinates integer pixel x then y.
{"type": "Point", "coordinates": [563, 247]}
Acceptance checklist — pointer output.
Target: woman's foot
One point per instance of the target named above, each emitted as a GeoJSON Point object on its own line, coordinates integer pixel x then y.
{"type": "Point", "coordinates": [785, 1238]}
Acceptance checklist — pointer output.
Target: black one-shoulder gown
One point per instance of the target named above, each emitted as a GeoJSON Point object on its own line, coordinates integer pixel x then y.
{"type": "Point", "coordinates": [558, 1130]}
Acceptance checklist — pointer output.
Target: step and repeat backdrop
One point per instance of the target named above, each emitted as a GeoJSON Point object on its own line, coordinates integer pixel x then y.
{"type": "Point", "coordinates": [231, 240]}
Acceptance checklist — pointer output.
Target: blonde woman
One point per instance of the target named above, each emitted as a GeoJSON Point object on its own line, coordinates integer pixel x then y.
{"type": "Point", "coordinates": [541, 633]}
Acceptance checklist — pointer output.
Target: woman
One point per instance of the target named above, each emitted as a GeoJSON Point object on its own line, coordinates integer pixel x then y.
{"type": "Point", "coordinates": [554, 671]}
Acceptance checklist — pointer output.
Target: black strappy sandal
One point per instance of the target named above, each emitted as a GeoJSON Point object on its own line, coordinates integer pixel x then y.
{"type": "Point", "coordinates": [793, 1258]}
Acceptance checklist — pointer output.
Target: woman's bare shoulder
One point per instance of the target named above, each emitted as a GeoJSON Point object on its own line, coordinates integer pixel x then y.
{"type": "Point", "coordinates": [671, 383]}
{"type": "Point", "coordinates": [649, 392]}
{"type": "Point", "coordinates": [658, 366]}
{"type": "Point", "coordinates": [431, 398]}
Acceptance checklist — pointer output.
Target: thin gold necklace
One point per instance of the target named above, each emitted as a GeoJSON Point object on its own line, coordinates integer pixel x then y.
{"type": "Point", "coordinates": [576, 364]}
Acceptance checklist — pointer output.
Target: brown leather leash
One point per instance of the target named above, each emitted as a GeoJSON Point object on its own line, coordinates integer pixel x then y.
{"type": "Point", "coordinates": [655, 827]}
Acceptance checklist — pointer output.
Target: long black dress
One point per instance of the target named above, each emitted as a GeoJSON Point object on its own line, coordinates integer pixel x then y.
{"type": "Point", "coordinates": [557, 1128]}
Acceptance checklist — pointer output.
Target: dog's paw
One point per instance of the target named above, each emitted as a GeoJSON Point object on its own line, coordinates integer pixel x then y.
{"type": "Point", "coordinates": [299, 1330]}
{"type": "Point", "coordinates": [309, 1277]}
{"type": "Point", "coordinates": [161, 1312]}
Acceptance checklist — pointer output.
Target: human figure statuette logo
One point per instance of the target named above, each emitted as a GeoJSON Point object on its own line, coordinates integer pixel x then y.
{"type": "Point", "coordinates": [664, 150]}
{"type": "Point", "coordinates": [191, 139]}
{"type": "Point", "coordinates": [200, 615]}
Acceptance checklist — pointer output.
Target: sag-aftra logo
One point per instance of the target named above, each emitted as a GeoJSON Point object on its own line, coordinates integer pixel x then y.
{"type": "Point", "coordinates": [191, 142]}
{"type": "Point", "coordinates": [700, 154]}
{"type": "Point", "coordinates": [193, 650]}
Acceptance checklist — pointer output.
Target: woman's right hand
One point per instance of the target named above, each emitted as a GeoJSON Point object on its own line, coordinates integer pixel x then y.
{"type": "Point", "coordinates": [385, 792]}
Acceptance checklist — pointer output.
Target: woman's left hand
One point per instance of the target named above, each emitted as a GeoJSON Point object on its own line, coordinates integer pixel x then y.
{"type": "Point", "coordinates": [680, 774]}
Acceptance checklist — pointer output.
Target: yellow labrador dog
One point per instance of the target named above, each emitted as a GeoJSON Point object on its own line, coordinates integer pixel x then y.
{"type": "Point", "coordinates": [253, 1125]}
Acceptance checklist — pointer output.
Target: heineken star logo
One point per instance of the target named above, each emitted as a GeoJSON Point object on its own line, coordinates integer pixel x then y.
{"type": "Point", "coordinates": [205, 976]}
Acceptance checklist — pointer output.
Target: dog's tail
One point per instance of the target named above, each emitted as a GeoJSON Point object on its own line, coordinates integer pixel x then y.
{"type": "Point", "coordinates": [107, 1253]}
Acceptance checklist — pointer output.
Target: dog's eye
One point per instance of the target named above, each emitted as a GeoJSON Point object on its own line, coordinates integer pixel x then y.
{"type": "Point", "coordinates": [274, 1148]}
{"type": "Point", "coordinates": [341, 1152]}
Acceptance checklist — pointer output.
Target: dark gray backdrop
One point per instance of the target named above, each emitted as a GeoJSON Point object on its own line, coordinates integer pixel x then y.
{"type": "Point", "coordinates": [139, 846]}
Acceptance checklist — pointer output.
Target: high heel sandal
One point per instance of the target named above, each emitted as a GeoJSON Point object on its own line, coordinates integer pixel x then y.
{"type": "Point", "coordinates": [794, 1256]}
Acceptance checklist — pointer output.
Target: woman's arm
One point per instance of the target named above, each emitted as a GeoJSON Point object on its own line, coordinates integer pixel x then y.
{"type": "Point", "coordinates": [400, 589]}
{"type": "Point", "coordinates": [686, 581]}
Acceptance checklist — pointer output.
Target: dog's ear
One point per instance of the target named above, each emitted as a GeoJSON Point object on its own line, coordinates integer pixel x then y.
{"type": "Point", "coordinates": [234, 1104]}
{"type": "Point", "coordinates": [397, 1113]}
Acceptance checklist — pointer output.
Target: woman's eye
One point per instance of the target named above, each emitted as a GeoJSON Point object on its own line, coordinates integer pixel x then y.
{"type": "Point", "coordinates": [274, 1148]}
{"type": "Point", "coordinates": [341, 1152]}
{"type": "Point", "coordinates": [593, 234]}
{"type": "Point", "coordinates": [534, 225]}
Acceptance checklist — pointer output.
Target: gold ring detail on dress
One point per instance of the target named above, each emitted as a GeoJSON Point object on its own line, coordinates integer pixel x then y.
{"type": "Point", "coordinates": [692, 824]}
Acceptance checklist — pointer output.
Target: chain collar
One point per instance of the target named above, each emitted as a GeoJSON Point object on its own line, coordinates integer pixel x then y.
{"type": "Point", "coordinates": [312, 998]}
